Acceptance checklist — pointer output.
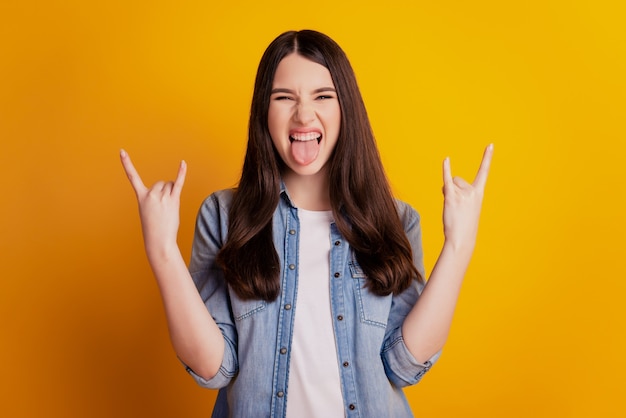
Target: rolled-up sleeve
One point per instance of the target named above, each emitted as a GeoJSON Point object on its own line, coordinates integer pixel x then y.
{"type": "Point", "coordinates": [401, 367]}
{"type": "Point", "coordinates": [210, 234]}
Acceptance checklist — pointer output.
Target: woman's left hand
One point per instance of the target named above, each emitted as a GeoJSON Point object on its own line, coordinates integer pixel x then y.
{"type": "Point", "coordinates": [463, 203]}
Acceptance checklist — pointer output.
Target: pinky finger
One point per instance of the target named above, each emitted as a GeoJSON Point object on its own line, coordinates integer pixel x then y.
{"type": "Point", "coordinates": [447, 172]}
{"type": "Point", "coordinates": [131, 172]}
{"type": "Point", "coordinates": [485, 164]}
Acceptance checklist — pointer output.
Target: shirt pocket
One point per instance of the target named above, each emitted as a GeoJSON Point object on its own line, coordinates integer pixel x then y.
{"type": "Point", "coordinates": [373, 309]}
{"type": "Point", "coordinates": [243, 309]}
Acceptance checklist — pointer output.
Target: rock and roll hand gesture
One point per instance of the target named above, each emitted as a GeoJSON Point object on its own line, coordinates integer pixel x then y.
{"type": "Point", "coordinates": [197, 340]}
{"type": "Point", "coordinates": [426, 328]}
{"type": "Point", "coordinates": [159, 207]}
{"type": "Point", "coordinates": [463, 202]}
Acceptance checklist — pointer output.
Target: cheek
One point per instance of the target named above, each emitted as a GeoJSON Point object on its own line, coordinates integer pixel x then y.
{"type": "Point", "coordinates": [277, 117]}
{"type": "Point", "coordinates": [333, 118]}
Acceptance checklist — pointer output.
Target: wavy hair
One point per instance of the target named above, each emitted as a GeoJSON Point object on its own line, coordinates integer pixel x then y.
{"type": "Point", "coordinates": [363, 206]}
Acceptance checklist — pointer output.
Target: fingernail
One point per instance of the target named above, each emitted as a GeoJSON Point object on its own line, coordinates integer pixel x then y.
{"type": "Point", "coordinates": [122, 152]}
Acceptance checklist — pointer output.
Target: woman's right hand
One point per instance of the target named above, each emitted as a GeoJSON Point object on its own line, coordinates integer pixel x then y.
{"type": "Point", "coordinates": [195, 336]}
{"type": "Point", "coordinates": [159, 208]}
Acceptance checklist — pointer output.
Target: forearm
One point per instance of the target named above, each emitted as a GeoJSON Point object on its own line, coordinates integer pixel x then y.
{"type": "Point", "coordinates": [427, 325]}
{"type": "Point", "coordinates": [196, 338]}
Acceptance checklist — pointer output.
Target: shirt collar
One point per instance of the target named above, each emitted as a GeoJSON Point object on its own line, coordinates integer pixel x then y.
{"type": "Point", "coordinates": [284, 193]}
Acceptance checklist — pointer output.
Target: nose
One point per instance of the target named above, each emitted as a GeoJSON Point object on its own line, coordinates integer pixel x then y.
{"type": "Point", "coordinates": [304, 113]}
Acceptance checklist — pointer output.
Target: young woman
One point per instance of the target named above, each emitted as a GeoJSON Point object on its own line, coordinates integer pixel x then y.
{"type": "Point", "coordinates": [305, 295]}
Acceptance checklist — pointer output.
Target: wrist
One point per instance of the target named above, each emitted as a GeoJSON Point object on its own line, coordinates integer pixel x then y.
{"type": "Point", "coordinates": [463, 250]}
{"type": "Point", "coordinates": [161, 253]}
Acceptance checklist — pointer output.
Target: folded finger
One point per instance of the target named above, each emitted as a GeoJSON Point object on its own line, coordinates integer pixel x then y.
{"type": "Point", "coordinates": [158, 188]}
{"type": "Point", "coordinates": [461, 183]}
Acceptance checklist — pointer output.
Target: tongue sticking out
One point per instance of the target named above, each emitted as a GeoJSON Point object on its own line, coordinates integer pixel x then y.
{"type": "Point", "coordinates": [305, 152]}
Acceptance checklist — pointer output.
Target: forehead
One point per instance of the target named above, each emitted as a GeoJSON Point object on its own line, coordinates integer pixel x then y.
{"type": "Point", "coordinates": [297, 71]}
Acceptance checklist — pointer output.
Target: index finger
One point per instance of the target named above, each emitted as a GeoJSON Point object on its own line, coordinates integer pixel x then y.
{"type": "Point", "coordinates": [180, 178]}
{"type": "Point", "coordinates": [483, 170]}
{"type": "Point", "coordinates": [131, 173]}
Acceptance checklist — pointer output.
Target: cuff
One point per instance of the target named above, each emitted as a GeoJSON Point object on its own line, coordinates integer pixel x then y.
{"type": "Point", "coordinates": [221, 379]}
{"type": "Point", "coordinates": [401, 367]}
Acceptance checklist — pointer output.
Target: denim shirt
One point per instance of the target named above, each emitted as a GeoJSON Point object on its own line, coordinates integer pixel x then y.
{"type": "Point", "coordinates": [254, 375]}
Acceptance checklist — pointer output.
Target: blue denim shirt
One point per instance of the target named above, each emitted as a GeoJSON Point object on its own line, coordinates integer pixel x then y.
{"type": "Point", "coordinates": [254, 375]}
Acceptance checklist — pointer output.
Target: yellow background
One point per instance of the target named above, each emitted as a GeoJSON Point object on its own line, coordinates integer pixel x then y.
{"type": "Point", "coordinates": [540, 327]}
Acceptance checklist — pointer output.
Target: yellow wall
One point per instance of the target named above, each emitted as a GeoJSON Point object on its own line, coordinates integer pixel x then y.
{"type": "Point", "coordinates": [540, 327]}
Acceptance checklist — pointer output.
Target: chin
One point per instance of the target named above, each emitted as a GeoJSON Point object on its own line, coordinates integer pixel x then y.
{"type": "Point", "coordinates": [308, 170]}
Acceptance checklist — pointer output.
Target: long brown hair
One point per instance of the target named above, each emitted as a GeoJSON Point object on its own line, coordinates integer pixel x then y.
{"type": "Point", "coordinates": [361, 199]}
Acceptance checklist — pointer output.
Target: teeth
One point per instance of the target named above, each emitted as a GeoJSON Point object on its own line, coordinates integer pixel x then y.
{"type": "Point", "coordinates": [308, 136]}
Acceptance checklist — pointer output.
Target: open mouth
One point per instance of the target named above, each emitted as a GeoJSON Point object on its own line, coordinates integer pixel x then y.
{"type": "Point", "coordinates": [305, 137]}
{"type": "Point", "coordinates": [305, 146]}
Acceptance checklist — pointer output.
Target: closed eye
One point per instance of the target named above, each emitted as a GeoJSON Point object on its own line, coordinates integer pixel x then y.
{"type": "Point", "coordinates": [324, 97]}
{"type": "Point", "coordinates": [282, 98]}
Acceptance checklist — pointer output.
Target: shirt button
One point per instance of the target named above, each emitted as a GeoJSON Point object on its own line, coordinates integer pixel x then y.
{"type": "Point", "coordinates": [337, 243]}
{"type": "Point", "coordinates": [337, 274]}
{"type": "Point", "coordinates": [346, 364]}
{"type": "Point", "coordinates": [340, 317]}
{"type": "Point", "coordinates": [292, 232]}
{"type": "Point", "coordinates": [280, 394]}
{"type": "Point", "coordinates": [352, 407]}
{"type": "Point", "coordinates": [292, 266]}
{"type": "Point", "coordinates": [287, 307]}
{"type": "Point", "coordinates": [283, 350]}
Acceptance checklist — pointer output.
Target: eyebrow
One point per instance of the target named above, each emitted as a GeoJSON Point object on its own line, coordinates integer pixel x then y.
{"type": "Point", "coordinates": [320, 90]}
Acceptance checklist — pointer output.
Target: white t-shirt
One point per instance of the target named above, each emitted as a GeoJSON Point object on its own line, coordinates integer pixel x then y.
{"type": "Point", "coordinates": [314, 388]}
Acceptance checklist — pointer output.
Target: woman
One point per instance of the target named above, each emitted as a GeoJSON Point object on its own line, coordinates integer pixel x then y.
{"type": "Point", "coordinates": [305, 295]}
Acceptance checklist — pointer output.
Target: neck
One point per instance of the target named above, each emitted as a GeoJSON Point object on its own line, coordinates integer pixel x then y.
{"type": "Point", "coordinates": [308, 192]}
